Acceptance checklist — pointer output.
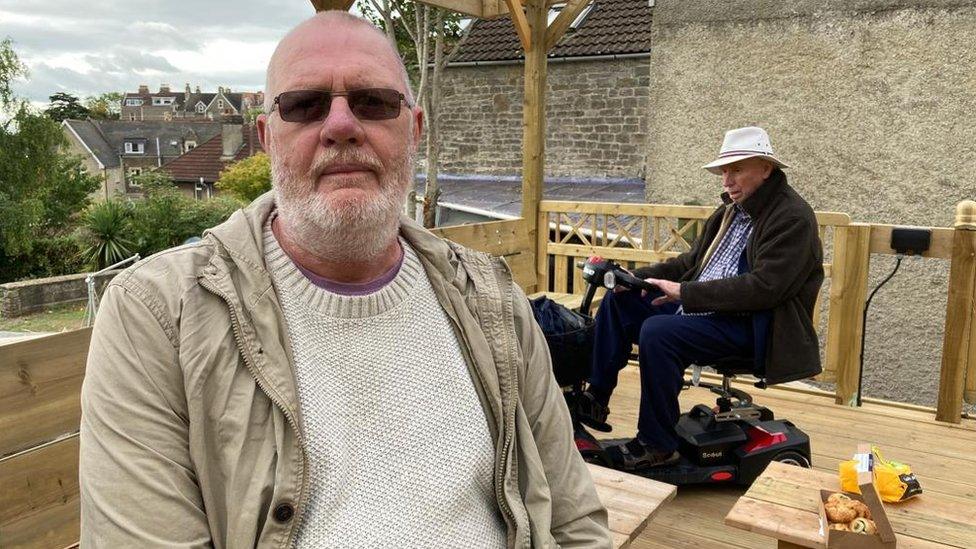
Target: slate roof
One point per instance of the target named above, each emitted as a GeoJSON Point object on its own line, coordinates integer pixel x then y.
{"type": "Point", "coordinates": [502, 196]}
{"type": "Point", "coordinates": [106, 138]}
{"type": "Point", "coordinates": [204, 161]}
{"type": "Point", "coordinates": [611, 27]}
{"type": "Point", "coordinates": [191, 102]}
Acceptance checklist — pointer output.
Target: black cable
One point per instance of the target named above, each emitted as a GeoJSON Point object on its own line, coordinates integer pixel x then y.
{"type": "Point", "coordinates": [864, 325]}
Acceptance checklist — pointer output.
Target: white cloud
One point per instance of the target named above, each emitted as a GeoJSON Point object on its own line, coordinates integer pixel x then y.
{"type": "Point", "coordinates": [87, 48]}
{"type": "Point", "coordinates": [221, 55]}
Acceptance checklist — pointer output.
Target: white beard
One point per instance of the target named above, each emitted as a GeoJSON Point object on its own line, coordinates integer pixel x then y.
{"type": "Point", "coordinates": [353, 230]}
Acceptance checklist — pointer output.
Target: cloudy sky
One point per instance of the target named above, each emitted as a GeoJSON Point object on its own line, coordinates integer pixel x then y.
{"type": "Point", "coordinates": [92, 46]}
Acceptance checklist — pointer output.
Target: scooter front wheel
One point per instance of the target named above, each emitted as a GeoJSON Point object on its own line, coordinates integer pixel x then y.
{"type": "Point", "coordinates": [792, 457]}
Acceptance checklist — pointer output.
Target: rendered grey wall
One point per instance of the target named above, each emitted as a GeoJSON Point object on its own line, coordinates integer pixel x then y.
{"type": "Point", "coordinates": [596, 116]}
{"type": "Point", "coordinates": [873, 104]}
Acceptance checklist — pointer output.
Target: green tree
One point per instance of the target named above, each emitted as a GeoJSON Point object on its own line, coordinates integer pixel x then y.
{"type": "Point", "coordinates": [106, 106]}
{"type": "Point", "coordinates": [64, 106]}
{"type": "Point", "coordinates": [105, 230]}
{"type": "Point", "coordinates": [248, 178]}
{"type": "Point", "coordinates": [42, 190]}
{"type": "Point", "coordinates": [10, 69]}
{"type": "Point", "coordinates": [166, 217]}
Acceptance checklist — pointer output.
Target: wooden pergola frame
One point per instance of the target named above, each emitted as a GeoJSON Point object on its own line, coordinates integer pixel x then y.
{"type": "Point", "coordinates": [537, 36]}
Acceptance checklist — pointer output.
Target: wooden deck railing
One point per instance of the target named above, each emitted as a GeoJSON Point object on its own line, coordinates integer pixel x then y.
{"type": "Point", "coordinates": [639, 234]}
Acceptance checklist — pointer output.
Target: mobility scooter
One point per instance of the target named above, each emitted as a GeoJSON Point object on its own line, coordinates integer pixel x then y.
{"type": "Point", "coordinates": [731, 443]}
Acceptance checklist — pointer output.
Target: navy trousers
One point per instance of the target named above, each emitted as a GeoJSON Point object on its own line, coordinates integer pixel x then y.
{"type": "Point", "coordinates": [668, 344]}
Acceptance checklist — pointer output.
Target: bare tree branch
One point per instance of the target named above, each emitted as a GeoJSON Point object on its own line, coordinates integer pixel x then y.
{"type": "Point", "coordinates": [457, 47]}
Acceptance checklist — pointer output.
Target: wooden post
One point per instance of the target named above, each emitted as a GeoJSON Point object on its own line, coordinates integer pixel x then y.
{"type": "Point", "coordinates": [958, 349]}
{"type": "Point", "coordinates": [541, 252]}
{"type": "Point", "coordinates": [534, 122]}
{"type": "Point", "coordinates": [848, 291]}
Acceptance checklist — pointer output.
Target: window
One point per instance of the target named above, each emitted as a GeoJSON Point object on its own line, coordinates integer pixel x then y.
{"type": "Point", "coordinates": [556, 9]}
{"type": "Point", "coordinates": [220, 103]}
{"type": "Point", "coordinates": [135, 147]}
{"type": "Point", "coordinates": [133, 102]}
{"type": "Point", "coordinates": [579, 18]}
{"type": "Point", "coordinates": [133, 172]}
{"type": "Point", "coordinates": [202, 190]}
{"type": "Point", "coordinates": [201, 107]}
{"type": "Point", "coordinates": [189, 145]}
{"type": "Point", "coordinates": [162, 101]}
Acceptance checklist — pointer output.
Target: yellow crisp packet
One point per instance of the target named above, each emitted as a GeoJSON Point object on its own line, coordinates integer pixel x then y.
{"type": "Point", "coordinates": [894, 480]}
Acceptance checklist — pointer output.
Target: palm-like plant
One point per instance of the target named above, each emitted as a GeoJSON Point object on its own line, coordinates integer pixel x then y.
{"type": "Point", "coordinates": [104, 225]}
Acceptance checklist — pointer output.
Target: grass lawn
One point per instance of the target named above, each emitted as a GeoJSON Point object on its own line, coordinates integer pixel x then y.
{"type": "Point", "coordinates": [55, 319]}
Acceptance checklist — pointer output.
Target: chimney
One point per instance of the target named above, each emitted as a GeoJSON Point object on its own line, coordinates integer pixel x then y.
{"type": "Point", "coordinates": [164, 88]}
{"type": "Point", "coordinates": [231, 137]}
{"type": "Point", "coordinates": [143, 89]}
{"type": "Point", "coordinates": [197, 90]}
{"type": "Point", "coordinates": [186, 92]}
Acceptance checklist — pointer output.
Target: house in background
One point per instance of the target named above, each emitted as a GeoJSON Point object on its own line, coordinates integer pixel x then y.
{"type": "Point", "coordinates": [120, 149]}
{"type": "Point", "coordinates": [169, 105]}
{"type": "Point", "coordinates": [196, 171]}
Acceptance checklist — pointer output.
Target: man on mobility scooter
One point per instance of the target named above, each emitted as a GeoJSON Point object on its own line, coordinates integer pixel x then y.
{"type": "Point", "coordinates": [746, 289]}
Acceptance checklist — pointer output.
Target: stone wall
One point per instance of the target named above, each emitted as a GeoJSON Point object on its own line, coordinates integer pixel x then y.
{"type": "Point", "coordinates": [596, 116]}
{"type": "Point", "coordinates": [871, 101]}
{"type": "Point", "coordinates": [21, 298]}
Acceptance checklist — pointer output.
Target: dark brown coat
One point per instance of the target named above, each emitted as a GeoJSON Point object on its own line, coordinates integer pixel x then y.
{"type": "Point", "coordinates": [785, 273]}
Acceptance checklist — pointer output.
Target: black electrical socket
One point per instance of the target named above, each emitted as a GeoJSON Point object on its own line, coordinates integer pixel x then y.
{"type": "Point", "coordinates": [910, 240]}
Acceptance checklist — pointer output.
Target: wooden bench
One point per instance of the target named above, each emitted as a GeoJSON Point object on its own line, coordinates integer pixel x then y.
{"type": "Point", "coordinates": [631, 501]}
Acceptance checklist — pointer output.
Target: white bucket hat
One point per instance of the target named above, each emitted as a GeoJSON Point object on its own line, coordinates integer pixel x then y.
{"type": "Point", "coordinates": [744, 143]}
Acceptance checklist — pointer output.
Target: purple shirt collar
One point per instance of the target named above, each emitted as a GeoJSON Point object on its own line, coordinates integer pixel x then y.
{"type": "Point", "coordinates": [353, 289]}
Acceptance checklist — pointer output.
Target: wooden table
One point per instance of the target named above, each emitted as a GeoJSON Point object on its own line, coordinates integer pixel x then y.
{"type": "Point", "coordinates": [782, 503]}
{"type": "Point", "coordinates": [631, 501]}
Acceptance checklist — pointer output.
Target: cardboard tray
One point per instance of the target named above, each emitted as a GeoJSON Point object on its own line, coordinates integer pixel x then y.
{"type": "Point", "coordinates": [840, 539]}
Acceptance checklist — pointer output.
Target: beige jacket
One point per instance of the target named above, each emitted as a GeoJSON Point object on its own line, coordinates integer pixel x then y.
{"type": "Point", "coordinates": [191, 434]}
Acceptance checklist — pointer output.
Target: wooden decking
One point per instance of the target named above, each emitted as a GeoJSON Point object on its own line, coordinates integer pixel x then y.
{"type": "Point", "coordinates": [942, 455]}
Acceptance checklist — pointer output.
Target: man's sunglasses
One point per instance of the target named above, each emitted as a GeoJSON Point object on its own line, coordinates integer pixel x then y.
{"type": "Point", "coordinates": [313, 105]}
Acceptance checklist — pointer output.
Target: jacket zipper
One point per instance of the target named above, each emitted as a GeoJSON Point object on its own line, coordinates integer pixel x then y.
{"type": "Point", "coordinates": [507, 432]}
{"type": "Point", "coordinates": [514, 382]}
{"type": "Point", "coordinates": [239, 339]}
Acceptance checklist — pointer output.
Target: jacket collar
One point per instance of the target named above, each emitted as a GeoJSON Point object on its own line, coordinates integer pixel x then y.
{"type": "Point", "coordinates": [755, 204]}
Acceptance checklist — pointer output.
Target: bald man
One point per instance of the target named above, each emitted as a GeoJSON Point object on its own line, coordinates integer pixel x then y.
{"type": "Point", "coordinates": [319, 371]}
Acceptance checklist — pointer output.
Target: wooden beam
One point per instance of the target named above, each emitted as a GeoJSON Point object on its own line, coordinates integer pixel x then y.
{"type": "Point", "coordinates": [848, 290]}
{"type": "Point", "coordinates": [941, 245]}
{"type": "Point", "coordinates": [39, 500]}
{"type": "Point", "coordinates": [565, 18]}
{"type": "Point", "coordinates": [521, 23]}
{"type": "Point", "coordinates": [495, 237]}
{"type": "Point", "coordinates": [40, 389]}
{"type": "Point", "coordinates": [325, 5]}
{"type": "Point", "coordinates": [960, 326]}
{"type": "Point", "coordinates": [534, 123]}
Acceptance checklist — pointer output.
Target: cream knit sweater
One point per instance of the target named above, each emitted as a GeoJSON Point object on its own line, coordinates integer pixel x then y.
{"type": "Point", "coordinates": [398, 445]}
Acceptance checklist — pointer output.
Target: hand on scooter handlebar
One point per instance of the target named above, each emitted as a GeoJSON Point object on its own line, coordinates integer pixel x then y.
{"type": "Point", "coordinates": [671, 290]}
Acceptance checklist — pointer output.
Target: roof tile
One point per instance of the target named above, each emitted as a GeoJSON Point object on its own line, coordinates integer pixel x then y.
{"type": "Point", "coordinates": [611, 27]}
